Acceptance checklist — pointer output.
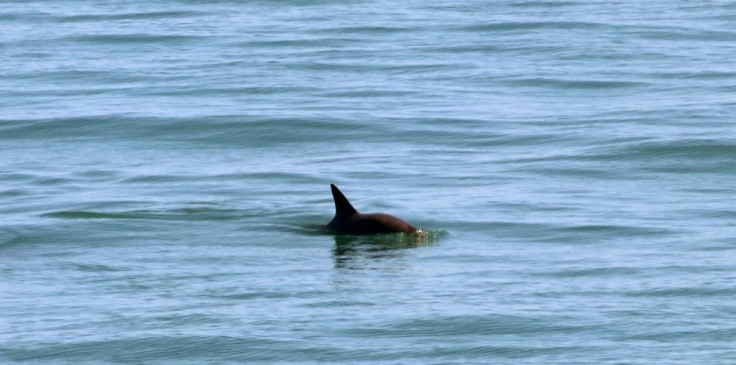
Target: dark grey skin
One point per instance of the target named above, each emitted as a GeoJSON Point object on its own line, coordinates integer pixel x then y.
{"type": "Point", "coordinates": [349, 221]}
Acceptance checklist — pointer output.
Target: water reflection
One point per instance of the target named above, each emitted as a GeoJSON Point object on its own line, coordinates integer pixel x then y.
{"type": "Point", "coordinates": [360, 252]}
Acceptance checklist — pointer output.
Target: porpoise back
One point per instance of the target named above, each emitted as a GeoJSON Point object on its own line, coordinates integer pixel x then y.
{"type": "Point", "coordinates": [348, 220]}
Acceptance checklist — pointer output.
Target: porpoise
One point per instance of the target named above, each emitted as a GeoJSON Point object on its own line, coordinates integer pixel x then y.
{"type": "Point", "coordinates": [349, 221]}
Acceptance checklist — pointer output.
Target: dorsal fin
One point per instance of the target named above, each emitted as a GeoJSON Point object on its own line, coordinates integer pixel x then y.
{"type": "Point", "coordinates": [342, 205]}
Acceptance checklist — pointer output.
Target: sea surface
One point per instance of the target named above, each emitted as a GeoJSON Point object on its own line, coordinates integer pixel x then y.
{"type": "Point", "coordinates": [165, 171]}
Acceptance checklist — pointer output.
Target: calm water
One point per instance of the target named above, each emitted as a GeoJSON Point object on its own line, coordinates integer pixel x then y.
{"type": "Point", "coordinates": [164, 167]}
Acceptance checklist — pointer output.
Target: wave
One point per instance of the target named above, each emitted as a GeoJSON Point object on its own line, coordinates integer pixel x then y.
{"type": "Point", "coordinates": [129, 16]}
{"type": "Point", "coordinates": [121, 39]}
{"type": "Point", "coordinates": [181, 214]}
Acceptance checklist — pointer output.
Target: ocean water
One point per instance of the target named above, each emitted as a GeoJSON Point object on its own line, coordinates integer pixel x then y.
{"type": "Point", "coordinates": [165, 167]}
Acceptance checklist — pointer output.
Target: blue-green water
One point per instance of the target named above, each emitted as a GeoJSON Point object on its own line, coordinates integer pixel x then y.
{"type": "Point", "coordinates": [164, 165]}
